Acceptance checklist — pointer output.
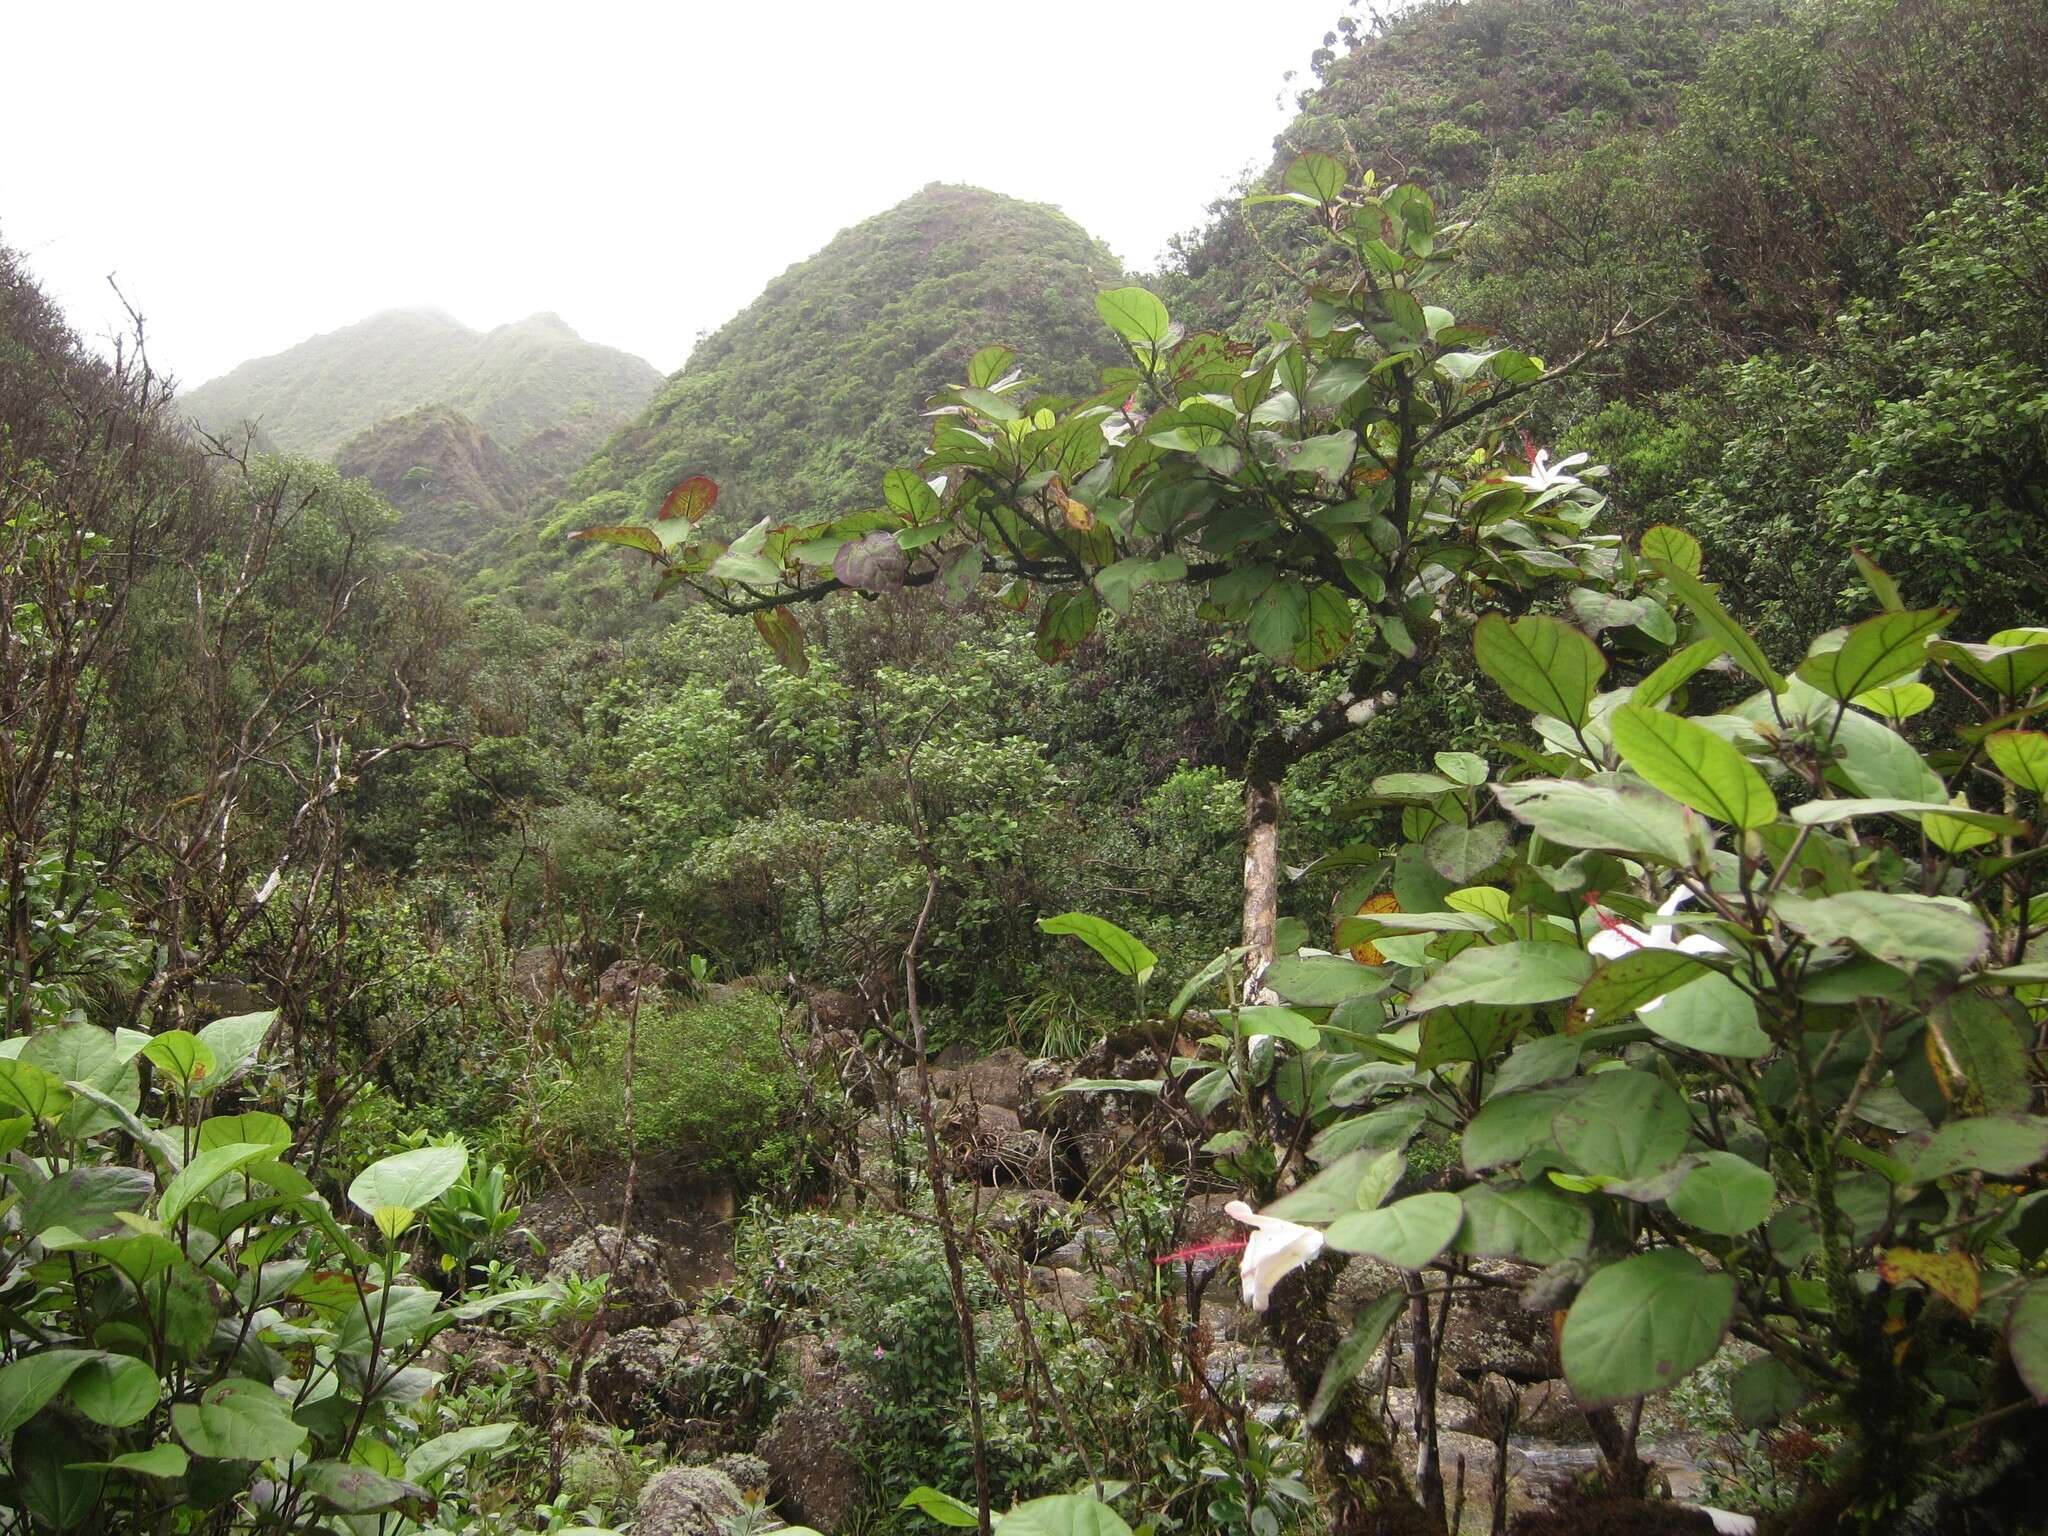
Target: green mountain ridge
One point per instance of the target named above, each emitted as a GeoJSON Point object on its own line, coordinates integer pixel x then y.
{"type": "Point", "coordinates": [534, 385]}
{"type": "Point", "coordinates": [800, 402]}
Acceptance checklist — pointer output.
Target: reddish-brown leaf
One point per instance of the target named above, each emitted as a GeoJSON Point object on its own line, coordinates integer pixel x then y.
{"type": "Point", "coordinates": [691, 499]}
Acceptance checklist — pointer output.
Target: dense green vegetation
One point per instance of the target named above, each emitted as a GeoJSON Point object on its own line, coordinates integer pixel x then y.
{"type": "Point", "coordinates": [1518, 660]}
{"type": "Point", "coordinates": [453, 485]}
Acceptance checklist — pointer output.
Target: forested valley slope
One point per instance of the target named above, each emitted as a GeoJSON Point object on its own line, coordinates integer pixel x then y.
{"type": "Point", "coordinates": [1386, 881]}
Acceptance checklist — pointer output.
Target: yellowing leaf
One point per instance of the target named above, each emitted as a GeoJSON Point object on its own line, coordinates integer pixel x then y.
{"type": "Point", "coordinates": [1951, 1275]}
{"type": "Point", "coordinates": [1368, 953]}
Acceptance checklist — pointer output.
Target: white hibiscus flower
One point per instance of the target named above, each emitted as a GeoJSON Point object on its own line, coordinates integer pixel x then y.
{"type": "Point", "coordinates": [1276, 1249]}
{"type": "Point", "coordinates": [1543, 475]}
{"type": "Point", "coordinates": [1616, 938]}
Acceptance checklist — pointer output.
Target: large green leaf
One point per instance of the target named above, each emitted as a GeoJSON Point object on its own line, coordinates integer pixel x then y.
{"type": "Point", "coordinates": [1664, 542]}
{"type": "Point", "coordinates": [1977, 1039]}
{"type": "Point", "coordinates": [355, 1489]}
{"type": "Point", "coordinates": [1542, 663]}
{"type": "Point", "coordinates": [1324, 981]}
{"type": "Point", "coordinates": [27, 1088]}
{"type": "Point", "coordinates": [1118, 583]}
{"type": "Point", "coordinates": [1510, 1126]}
{"type": "Point", "coordinates": [1880, 650]}
{"type": "Point", "coordinates": [1623, 1125]}
{"type": "Point", "coordinates": [1534, 1063]}
{"type": "Point", "coordinates": [2002, 1144]}
{"type": "Point", "coordinates": [1068, 618]}
{"type": "Point", "coordinates": [942, 1507]}
{"type": "Point", "coordinates": [1064, 1514]}
{"type": "Point", "coordinates": [1535, 1225]}
{"type": "Point", "coordinates": [1726, 1195]}
{"type": "Point", "coordinates": [1467, 1032]}
{"type": "Point", "coordinates": [207, 1170]}
{"type": "Point", "coordinates": [183, 1058]}
{"type": "Point", "coordinates": [234, 1041]}
{"type": "Point", "coordinates": [141, 1256]}
{"type": "Point", "coordinates": [165, 1460]}
{"type": "Point", "coordinates": [1899, 929]}
{"type": "Point", "coordinates": [1327, 457]}
{"type": "Point", "coordinates": [1675, 672]}
{"type": "Point", "coordinates": [238, 1420]}
{"type": "Point", "coordinates": [1764, 1391]}
{"type": "Point", "coordinates": [87, 1201]}
{"type": "Point", "coordinates": [1271, 1019]}
{"type": "Point", "coordinates": [1210, 971]}
{"type": "Point", "coordinates": [631, 536]}
{"type": "Point", "coordinates": [1643, 1325]}
{"type": "Point", "coordinates": [1612, 818]}
{"type": "Point", "coordinates": [114, 1390]}
{"type": "Point", "coordinates": [1134, 314]}
{"type": "Point", "coordinates": [408, 1179]}
{"type": "Point", "coordinates": [1275, 624]}
{"type": "Point", "coordinates": [1407, 1234]}
{"type": "Point", "coordinates": [1124, 952]}
{"type": "Point", "coordinates": [1316, 175]}
{"type": "Point", "coordinates": [28, 1383]}
{"type": "Point", "coordinates": [2021, 756]}
{"type": "Point", "coordinates": [1826, 813]}
{"type": "Point", "coordinates": [430, 1458]}
{"type": "Point", "coordinates": [1693, 765]}
{"type": "Point", "coordinates": [1710, 1014]}
{"type": "Point", "coordinates": [1327, 623]}
{"type": "Point", "coordinates": [2014, 670]}
{"type": "Point", "coordinates": [1358, 1181]}
{"type": "Point", "coordinates": [52, 1478]}
{"type": "Point", "coordinates": [1506, 975]}
{"type": "Point", "coordinates": [1463, 853]}
{"type": "Point", "coordinates": [256, 1127]}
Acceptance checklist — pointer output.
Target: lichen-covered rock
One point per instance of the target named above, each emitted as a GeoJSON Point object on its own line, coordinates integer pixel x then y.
{"type": "Point", "coordinates": [813, 1472]}
{"type": "Point", "coordinates": [749, 1474]}
{"type": "Point", "coordinates": [642, 1375]}
{"type": "Point", "coordinates": [688, 1501]}
{"type": "Point", "coordinates": [640, 1293]}
{"type": "Point", "coordinates": [624, 980]}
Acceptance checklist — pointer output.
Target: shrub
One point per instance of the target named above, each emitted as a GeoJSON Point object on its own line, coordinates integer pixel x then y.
{"type": "Point", "coordinates": [711, 1084]}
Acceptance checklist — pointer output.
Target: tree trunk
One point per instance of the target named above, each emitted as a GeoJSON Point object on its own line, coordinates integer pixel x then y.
{"type": "Point", "coordinates": [1263, 771]}
{"type": "Point", "coordinates": [1358, 1466]}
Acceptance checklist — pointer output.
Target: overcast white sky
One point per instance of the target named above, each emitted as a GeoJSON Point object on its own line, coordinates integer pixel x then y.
{"type": "Point", "coordinates": [256, 173]}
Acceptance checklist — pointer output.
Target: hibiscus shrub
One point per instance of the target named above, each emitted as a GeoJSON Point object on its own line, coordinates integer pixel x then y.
{"type": "Point", "coordinates": [1735, 1020]}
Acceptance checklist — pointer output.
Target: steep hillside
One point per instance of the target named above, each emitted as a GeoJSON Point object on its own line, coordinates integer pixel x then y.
{"type": "Point", "coordinates": [533, 385]}
{"type": "Point", "coordinates": [452, 483]}
{"type": "Point", "coordinates": [810, 393]}
{"type": "Point", "coordinates": [1451, 92]}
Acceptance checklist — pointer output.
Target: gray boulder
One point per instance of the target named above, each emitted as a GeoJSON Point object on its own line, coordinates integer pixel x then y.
{"type": "Point", "coordinates": [688, 1501]}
